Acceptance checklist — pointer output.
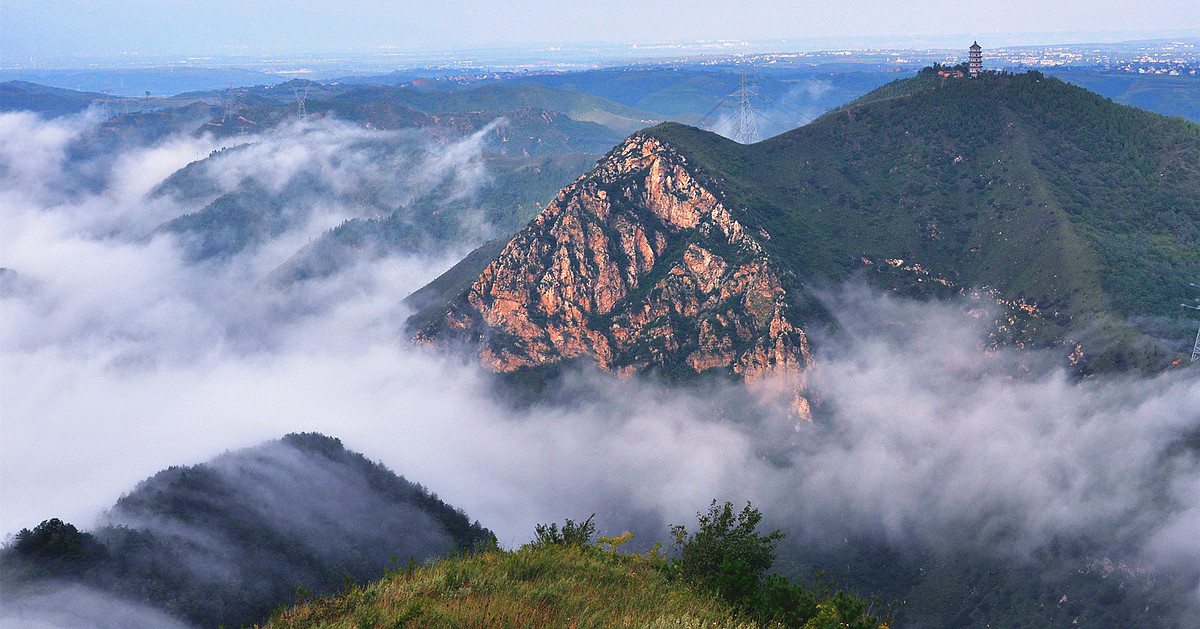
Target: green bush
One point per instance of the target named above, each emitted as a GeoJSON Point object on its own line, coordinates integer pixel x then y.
{"type": "Point", "coordinates": [572, 534]}
{"type": "Point", "coordinates": [725, 554]}
{"type": "Point", "coordinates": [728, 557]}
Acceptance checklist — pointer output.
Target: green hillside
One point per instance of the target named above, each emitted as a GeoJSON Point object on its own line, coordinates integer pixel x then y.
{"type": "Point", "coordinates": [1165, 94]}
{"type": "Point", "coordinates": [566, 579]}
{"type": "Point", "coordinates": [1082, 212]}
{"type": "Point", "coordinates": [549, 587]}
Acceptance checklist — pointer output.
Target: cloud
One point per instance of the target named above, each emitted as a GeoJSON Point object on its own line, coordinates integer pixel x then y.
{"type": "Point", "coordinates": [33, 151]}
{"type": "Point", "coordinates": [120, 359]}
{"type": "Point", "coordinates": [949, 441]}
{"type": "Point", "coordinates": [73, 606]}
{"type": "Point", "coordinates": [110, 328]}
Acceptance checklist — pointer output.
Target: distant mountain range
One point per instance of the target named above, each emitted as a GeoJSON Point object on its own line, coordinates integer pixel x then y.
{"type": "Point", "coordinates": [686, 251]}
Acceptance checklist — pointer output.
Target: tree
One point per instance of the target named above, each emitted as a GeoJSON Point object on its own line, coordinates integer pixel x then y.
{"type": "Point", "coordinates": [726, 554]}
{"type": "Point", "coordinates": [55, 548]}
{"type": "Point", "coordinates": [573, 534]}
{"type": "Point", "coordinates": [54, 539]}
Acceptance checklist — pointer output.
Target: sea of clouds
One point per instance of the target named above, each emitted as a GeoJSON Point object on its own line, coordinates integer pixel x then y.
{"type": "Point", "coordinates": [119, 357]}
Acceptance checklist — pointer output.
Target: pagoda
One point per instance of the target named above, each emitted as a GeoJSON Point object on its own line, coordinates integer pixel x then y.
{"type": "Point", "coordinates": [975, 61]}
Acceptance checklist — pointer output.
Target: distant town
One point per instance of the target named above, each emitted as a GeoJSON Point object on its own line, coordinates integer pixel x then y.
{"type": "Point", "coordinates": [1161, 57]}
{"type": "Point", "coordinates": [1164, 58]}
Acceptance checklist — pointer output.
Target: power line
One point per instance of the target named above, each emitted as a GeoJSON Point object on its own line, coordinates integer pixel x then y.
{"type": "Point", "coordinates": [743, 101]}
{"type": "Point", "coordinates": [745, 130]}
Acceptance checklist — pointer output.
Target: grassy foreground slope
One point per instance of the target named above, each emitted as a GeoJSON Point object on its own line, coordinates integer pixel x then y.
{"type": "Point", "coordinates": [563, 579]}
{"type": "Point", "coordinates": [550, 586]}
{"type": "Point", "coordinates": [553, 586]}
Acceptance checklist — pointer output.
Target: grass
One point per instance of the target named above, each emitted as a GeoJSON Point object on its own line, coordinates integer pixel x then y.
{"type": "Point", "coordinates": [553, 586]}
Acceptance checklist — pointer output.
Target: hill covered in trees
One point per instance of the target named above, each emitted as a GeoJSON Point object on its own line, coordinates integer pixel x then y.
{"type": "Point", "coordinates": [1078, 214]}
{"type": "Point", "coordinates": [228, 541]}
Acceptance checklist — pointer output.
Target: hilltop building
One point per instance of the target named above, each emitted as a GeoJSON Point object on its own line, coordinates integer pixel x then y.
{"type": "Point", "coordinates": [975, 61]}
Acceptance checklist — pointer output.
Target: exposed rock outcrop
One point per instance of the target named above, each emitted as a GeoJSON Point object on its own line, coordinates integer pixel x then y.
{"type": "Point", "coordinates": [638, 266]}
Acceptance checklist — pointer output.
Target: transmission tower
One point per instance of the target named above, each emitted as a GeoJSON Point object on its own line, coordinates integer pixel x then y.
{"type": "Point", "coordinates": [227, 107]}
{"type": "Point", "coordinates": [1196, 347]}
{"type": "Point", "coordinates": [300, 96]}
{"type": "Point", "coordinates": [107, 103]}
{"type": "Point", "coordinates": [745, 130]}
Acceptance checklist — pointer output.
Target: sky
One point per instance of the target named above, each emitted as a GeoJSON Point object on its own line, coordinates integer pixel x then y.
{"type": "Point", "coordinates": [37, 32]}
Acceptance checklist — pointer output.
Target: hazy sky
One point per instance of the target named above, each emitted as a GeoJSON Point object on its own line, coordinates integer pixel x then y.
{"type": "Point", "coordinates": [41, 31]}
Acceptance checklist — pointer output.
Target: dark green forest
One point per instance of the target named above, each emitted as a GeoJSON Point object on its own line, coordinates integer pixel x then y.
{"type": "Point", "coordinates": [203, 544]}
{"type": "Point", "coordinates": [1046, 192]}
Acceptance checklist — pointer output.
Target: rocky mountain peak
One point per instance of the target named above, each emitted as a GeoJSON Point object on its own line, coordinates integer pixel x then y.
{"type": "Point", "coordinates": [638, 266]}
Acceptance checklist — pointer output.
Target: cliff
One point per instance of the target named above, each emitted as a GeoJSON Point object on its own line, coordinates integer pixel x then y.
{"type": "Point", "coordinates": [635, 265]}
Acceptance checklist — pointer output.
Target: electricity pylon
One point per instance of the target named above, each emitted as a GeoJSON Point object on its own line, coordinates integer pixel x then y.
{"type": "Point", "coordinates": [745, 130]}
{"type": "Point", "coordinates": [1196, 347]}
{"type": "Point", "coordinates": [300, 97]}
{"type": "Point", "coordinates": [741, 100]}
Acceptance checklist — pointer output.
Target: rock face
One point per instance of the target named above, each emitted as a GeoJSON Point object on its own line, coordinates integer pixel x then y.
{"type": "Point", "coordinates": [638, 266]}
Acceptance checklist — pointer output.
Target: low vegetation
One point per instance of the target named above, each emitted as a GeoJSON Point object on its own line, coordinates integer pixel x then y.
{"type": "Point", "coordinates": [716, 577]}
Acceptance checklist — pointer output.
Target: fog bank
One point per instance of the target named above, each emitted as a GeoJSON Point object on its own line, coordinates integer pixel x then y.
{"type": "Point", "coordinates": [120, 358]}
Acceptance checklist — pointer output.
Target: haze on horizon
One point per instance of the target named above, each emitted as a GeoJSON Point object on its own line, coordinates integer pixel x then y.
{"type": "Point", "coordinates": [39, 34]}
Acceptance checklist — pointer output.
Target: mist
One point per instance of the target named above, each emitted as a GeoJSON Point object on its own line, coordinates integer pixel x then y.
{"type": "Point", "coordinates": [120, 358]}
{"type": "Point", "coordinates": [798, 104]}
{"type": "Point", "coordinates": [67, 606]}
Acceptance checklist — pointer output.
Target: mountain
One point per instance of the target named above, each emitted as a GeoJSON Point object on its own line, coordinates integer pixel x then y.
{"type": "Point", "coordinates": [1162, 93]}
{"type": "Point", "coordinates": [441, 167]}
{"type": "Point", "coordinates": [227, 541]}
{"type": "Point", "coordinates": [407, 199]}
{"type": "Point", "coordinates": [43, 99]}
{"type": "Point", "coordinates": [686, 251]}
{"type": "Point", "coordinates": [241, 218]}
{"type": "Point", "coordinates": [785, 97]}
{"type": "Point", "coordinates": [635, 265]}
{"type": "Point", "coordinates": [500, 98]}
{"type": "Point", "coordinates": [540, 120]}
{"type": "Point", "coordinates": [135, 82]}
{"type": "Point", "coordinates": [513, 194]}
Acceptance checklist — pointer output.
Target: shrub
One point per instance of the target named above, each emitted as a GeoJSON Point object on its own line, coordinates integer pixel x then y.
{"type": "Point", "coordinates": [725, 554]}
{"type": "Point", "coordinates": [572, 534]}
